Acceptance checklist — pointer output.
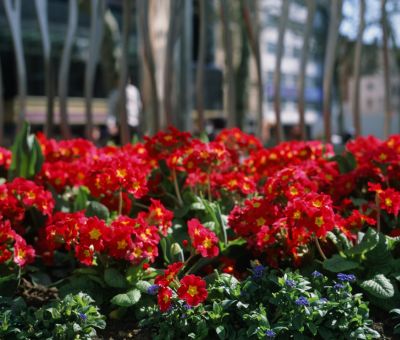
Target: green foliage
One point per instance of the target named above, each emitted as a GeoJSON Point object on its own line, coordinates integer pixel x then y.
{"type": "Point", "coordinates": [266, 305]}
{"type": "Point", "coordinates": [74, 317]}
{"type": "Point", "coordinates": [373, 261]}
{"type": "Point", "coordinates": [27, 157]}
{"type": "Point", "coordinates": [97, 209]}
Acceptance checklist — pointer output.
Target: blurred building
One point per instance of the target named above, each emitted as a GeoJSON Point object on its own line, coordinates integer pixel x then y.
{"type": "Point", "coordinates": [372, 96]}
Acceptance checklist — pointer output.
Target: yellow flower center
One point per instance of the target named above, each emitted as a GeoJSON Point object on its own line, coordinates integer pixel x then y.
{"type": "Point", "coordinates": [319, 221]}
{"type": "Point", "coordinates": [260, 221]}
{"type": "Point", "coordinates": [95, 234]}
{"type": "Point", "coordinates": [207, 243]}
{"type": "Point", "coordinates": [192, 291]}
{"type": "Point", "coordinates": [388, 202]}
{"type": "Point", "coordinates": [121, 244]}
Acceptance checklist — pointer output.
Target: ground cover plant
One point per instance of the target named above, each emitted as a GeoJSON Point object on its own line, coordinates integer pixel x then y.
{"type": "Point", "coordinates": [180, 236]}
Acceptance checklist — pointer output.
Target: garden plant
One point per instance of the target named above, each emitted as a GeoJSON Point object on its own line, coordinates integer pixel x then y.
{"type": "Point", "coordinates": [179, 237]}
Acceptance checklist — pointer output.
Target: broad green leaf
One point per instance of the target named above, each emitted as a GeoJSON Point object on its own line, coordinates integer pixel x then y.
{"type": "Point", "coordinates": [127, 299]}
{"type": "Point", "coordinates": [97, 209]}
{"type": "Point", "coordinates": [114, 278]}
{"type": "Point", "coordinates": [27, 157]}
{"type": "Point", "coordinates": [143, 286]}
{"type": "Point", "coordinates": [368, 242]}
{"type": "Point", "coordinates": [339, 264]}
{"type": "Point", "coordinates": [379, 286]}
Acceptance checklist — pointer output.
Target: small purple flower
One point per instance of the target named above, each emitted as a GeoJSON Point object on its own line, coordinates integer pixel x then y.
{"type": "Point", "coordinates": [153, 289]}
{"type": "Point", "coordinates": [270, 333]}
{"type": "Point", "coordinates": [258, 272]}
{"type": "Point", "coordinates": [346, 277]}
{"type": "Point", "coordinates": [316, 274]}
{"type": "Point", "coordinates": [338, 286]}
{"type": "Point", "coordinates": [187, 307]}
{"type": "Point", "coordinates": [302, 301]}
{"type": "Point", "coordinates": [290, 283]}
{"type": "Point", "coordinates": [83, 316]}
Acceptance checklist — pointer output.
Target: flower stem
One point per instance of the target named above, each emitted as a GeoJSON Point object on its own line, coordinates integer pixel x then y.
{"type": "Point", "coordinates": [378, 213]}
{"type": "Point", "coordinates": [120, 203]}
{"type": "Point", "coordinates": [176, 186]}
{"type": "Point", "coordinates": [209, 186]}
{"type": "Point", "coordinates": [321, 252]}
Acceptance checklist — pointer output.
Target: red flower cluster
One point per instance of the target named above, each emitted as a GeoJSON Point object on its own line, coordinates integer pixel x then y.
{"type": "Point", "coordinates": [21, 194]}
{"type": "Point", "coordinates": [158, 216]}
{"type": "Point", "coordinates": [22, 254]}
{"type": "Point", "coordinates": [388, 199]}
{"type": "Point", "coordinates": [204, 240]}
{"type": "Point", "coordinates": [191, 288]}
{"type": "Point", "coordinates": [125, 238]}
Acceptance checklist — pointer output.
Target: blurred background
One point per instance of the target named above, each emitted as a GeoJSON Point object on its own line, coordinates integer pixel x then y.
{"type": "Point", "coordinates": [281, 69]}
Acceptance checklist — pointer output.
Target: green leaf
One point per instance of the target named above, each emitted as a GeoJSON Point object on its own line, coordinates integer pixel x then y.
{"type": "Point", "coordinates": [220, 330]}
{"type": "Point", "coordinates": [339, 264]}
{"type": "Point", "coordinates": [81, 198]}
{"type": "Point", "coordinates": [379, 286]}
{"type": "Point", "coordinates": [127, 299]}
{"type": "Point", "coordinates": [97, 209]}
{"type": "Point", "coordinates": [27, 157]}
{"type": "Point", "coordinates": [143, 286]}
{"type": "Point", "coordinates": [114, 278]}
{"type": "Point", "coordinates": [368, 242]}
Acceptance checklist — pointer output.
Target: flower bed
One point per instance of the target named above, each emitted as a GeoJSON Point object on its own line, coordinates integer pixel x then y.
{"type": "Point", "coordinates": [181, 237]}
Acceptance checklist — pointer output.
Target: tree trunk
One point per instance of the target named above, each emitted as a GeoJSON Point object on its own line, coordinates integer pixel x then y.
{"type": "Point", "coordinates": [147, 55]}
{"type": "Point", "coordinates": [173, 34]}
{"type": "Point", "coordinates": [230, 72]}
{"type": "Point", "coordinates": [386, 71]}
{"type": "Point", "coordinates": [357, 73]}
{"type": "Point", "coordinates": [277, 73]}
{"type": "Point", "coordinates": [253, 32]}
{"type": "Point", "coordinates": [123, 78]}
{"type": "Point", "coordinates": [41, 11]}
{"type": "Point", "coordinates": [13, 13]}
{"type": "Point", "coordinates": [200, 66]}
{"type": "Point", "coordinates": [242, 73]}
{"type": "Point", "coordinates": [97, 9]}
{"type": "Point", "coordinates": [63, 75]}
{"type": "Point", "coordinates": [329, 65]}
{"type": "Point", "coordinates": [303, 66]}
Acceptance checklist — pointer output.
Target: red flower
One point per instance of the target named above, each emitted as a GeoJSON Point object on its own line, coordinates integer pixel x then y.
{"type": "Point", "coordinates": [204, 240]}
{"type": "Point", "coordinates": [169, 274]}
{"type": "Point", "coordinates": [23, 253]}
{"type": "Point", "coordinates": [164, 298]}
{"type": "Point", "coordinates": [192, 290]}
{"type": "Point", "coordinates": [159, 216]}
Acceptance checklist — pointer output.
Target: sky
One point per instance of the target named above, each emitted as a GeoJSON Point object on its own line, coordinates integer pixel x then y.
{"type": "Point", "coordinates": [373, 31]}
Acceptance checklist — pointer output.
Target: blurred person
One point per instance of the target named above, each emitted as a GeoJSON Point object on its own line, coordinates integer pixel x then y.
{"type": "Point", "coordinates": [133, 108]}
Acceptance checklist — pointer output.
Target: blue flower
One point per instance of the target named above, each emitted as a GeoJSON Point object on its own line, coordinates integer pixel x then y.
{"type": "Point", "coordinates": [302, 301]}
{"type": "Point", "coordinates": [346, 277]}
{"type": "Point", "coordinates": [316, 274]}
{"type": "Point", "coordinates": [187, 307]}
{"type": "Point", "coordinates": [153, 289]}
{"type": "Point", "coordinates": [338, 286]}
{"type": "Point", "coordinates": [290, 283]}
{"type": "Point", "coordinates": [270, 333]}
{"type": "Point", "coordinates": [83, 316]}
{"type": "Point", "coordinates": [258, 272]}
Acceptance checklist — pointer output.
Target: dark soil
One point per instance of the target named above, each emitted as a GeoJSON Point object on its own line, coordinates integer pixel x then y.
{"type": "Point", "coordinates": [122, 329]}
{"type": "Point", "coordinates": [36, 295]}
